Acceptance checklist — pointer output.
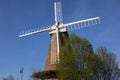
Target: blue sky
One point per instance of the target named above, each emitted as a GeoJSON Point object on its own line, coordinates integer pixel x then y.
{"type": "Point", "coordinates": [30, 52]}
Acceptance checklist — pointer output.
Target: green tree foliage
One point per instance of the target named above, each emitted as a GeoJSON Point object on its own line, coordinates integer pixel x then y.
{"type": "Point", "coordinates": [79, 62]}
{"type": "Point", "coordinates": [74, 57]}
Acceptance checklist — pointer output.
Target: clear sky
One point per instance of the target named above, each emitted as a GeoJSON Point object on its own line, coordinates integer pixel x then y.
{"type": "Point", "coordinates": [30, 52]}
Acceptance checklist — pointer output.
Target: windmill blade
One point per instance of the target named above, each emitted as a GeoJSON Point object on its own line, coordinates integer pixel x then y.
{"type": "Point", "coordinates": [83, 23]}
{"type": "Point", "coordinates": [34, 31]}
{"type": "Point", "coordinates": [58, 12]}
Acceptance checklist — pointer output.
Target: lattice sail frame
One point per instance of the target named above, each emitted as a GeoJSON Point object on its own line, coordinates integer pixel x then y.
{"type": "Point", "coordinates": [58, 12]}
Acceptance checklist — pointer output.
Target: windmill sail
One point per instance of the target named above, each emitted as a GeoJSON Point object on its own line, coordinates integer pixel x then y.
{"type": "Point", "coordinates": [83, 23]}
{"type": "Point", "coordinates": [34, 31]}
{"type": "Point", "coordinates": [58, 12]}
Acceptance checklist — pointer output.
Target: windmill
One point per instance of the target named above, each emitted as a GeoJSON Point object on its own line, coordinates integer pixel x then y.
{"type": "Point", "coordinates": [59, 35]}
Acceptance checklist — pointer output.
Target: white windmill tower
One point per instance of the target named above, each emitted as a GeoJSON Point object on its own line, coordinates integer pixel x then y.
{"type": "Point", "coordinates": [56, 30]}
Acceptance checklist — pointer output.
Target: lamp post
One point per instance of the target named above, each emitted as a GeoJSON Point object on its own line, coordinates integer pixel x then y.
{"type": "Point", "coordinates": [21, 72]}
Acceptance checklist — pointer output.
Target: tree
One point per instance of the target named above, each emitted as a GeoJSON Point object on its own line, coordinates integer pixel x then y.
{"type": "Point", "coordinates": [74, 57]}
{"type": "Point", "coordinates": [108, 67]}
{"type": "Point", "coordinates": [78, 61]}
{"type": "Point", "coordinates": [103, 66]}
